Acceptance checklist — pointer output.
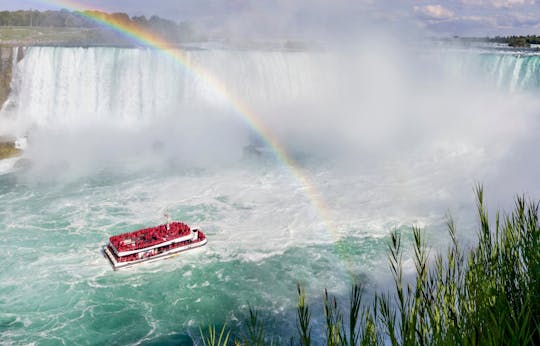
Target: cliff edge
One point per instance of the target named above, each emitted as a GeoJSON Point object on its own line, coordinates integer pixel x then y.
{"type": "Point", "coordinates": [9, 56]}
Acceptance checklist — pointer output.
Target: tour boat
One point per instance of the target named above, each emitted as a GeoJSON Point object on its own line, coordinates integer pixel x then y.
{"type": "Point", "coordinates": [151, 244]}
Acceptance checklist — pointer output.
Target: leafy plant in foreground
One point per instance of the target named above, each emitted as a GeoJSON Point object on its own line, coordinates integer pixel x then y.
{"type": "Point", "coordinates": [212, 339]}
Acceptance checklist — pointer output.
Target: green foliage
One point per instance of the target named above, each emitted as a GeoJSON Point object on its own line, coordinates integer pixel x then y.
{"type": "Point", "coordinates": [304, 316]}
{"type": "Point", "coordinates": [487, 295]}
{"type": "Point", "coordinates": [517, 41]}
{"type": "Point", "coordinates": [255, 335]}
{"type": "Point", "coordinates": [165, 29]}
{"type": "Point", "coordinates": [212, 339]}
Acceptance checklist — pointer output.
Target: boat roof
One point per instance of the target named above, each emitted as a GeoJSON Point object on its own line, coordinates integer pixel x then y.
{"type": "Point", "coordinates": [149, 236]}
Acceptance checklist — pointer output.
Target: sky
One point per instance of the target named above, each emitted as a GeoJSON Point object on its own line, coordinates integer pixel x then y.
{"type": "Point", "coordinates": [444, 18]}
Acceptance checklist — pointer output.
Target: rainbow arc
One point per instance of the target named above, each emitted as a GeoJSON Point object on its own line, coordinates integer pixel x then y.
{"type": "Point", "coordinates": [149, 39]}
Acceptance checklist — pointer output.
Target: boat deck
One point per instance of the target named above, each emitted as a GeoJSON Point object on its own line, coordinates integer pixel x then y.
{"type": "Point", "coordinates": [151, 244]}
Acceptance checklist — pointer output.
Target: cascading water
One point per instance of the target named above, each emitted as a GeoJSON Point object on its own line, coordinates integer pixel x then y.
{"type": "Point", "coordinates": [383, 146]}
{"type": "Point", "coordinates": [132, 85]}
{"type": "Point", "coordinates": [70, 85]}
{"type": "Point", "coordinates": [514, 71]}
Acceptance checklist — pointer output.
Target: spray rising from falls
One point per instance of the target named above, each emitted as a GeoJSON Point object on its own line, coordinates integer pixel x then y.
{"type": "Point", "coordinates": [363, 108]}
{"type": "Point", "coordinates": [117, 94]}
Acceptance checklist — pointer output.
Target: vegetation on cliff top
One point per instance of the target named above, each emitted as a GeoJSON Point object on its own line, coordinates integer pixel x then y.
{"type": "Point", "coordinates": [517, 41]}
{"type": "Point", "coordinates": [74, 27]}
{"type": "Point", "coordinates": [488, 294]}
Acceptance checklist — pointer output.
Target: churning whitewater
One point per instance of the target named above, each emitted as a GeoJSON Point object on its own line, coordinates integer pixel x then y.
{"type": "Point", "coordinates": [118, 137]}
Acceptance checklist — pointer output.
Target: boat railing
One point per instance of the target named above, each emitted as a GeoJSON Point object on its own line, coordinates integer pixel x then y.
{"type": "Point", "coordinates": [156, 251]}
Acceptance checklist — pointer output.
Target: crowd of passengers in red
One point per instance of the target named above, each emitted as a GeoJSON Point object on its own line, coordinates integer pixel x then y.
{"type": "Point", "coordinates": [149, 236]}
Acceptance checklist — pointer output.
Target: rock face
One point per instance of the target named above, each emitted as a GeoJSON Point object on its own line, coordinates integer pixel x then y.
{"type": "Point", "coordinates": [8, 149]}
{"type": "Point", "coordinates": [9, 56]}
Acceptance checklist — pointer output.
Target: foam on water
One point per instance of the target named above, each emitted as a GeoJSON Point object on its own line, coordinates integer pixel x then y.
{"type": "Point", "coordinates": [264, 238]}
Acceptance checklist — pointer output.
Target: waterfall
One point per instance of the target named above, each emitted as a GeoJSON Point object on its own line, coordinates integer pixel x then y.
{"type": "Point", "coordinates": [513, 72]}
{"type": "Point", "coordinates": [58, 86]}
{"type": "Point", "coordinates": [55, 85]}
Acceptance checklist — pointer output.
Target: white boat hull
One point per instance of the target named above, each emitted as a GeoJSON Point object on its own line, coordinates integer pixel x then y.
{"type": "Point", "coordinates": [166, 254]}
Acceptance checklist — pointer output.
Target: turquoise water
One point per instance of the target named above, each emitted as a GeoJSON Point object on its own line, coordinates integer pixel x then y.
{"type": "Point", "coordinates": [56, 286]}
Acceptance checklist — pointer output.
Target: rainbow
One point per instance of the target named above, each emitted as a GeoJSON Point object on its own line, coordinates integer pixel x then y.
{"type": "Point", "coordinates": [146, 38]}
